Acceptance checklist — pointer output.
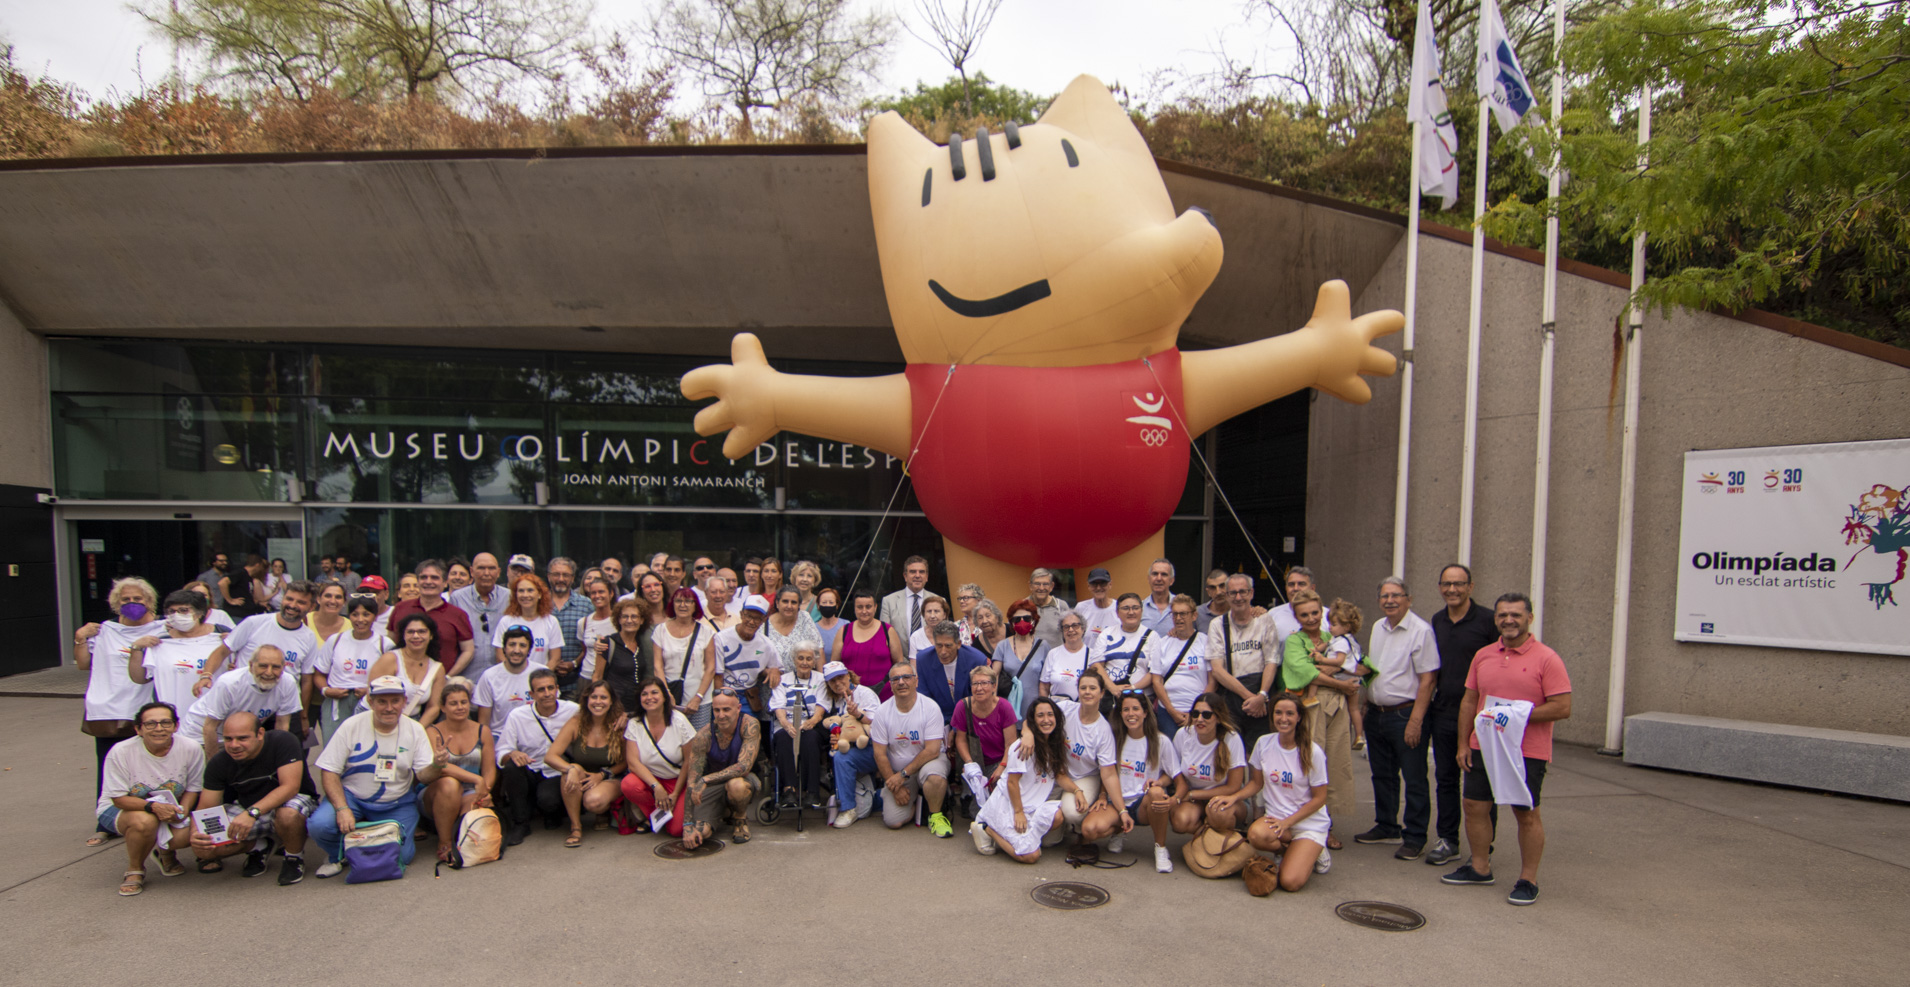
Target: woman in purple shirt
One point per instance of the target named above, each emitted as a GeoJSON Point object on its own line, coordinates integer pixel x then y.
{"type": "Point", "coordinates": [980, 723]}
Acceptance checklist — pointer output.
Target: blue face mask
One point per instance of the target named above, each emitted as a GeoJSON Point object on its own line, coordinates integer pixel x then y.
{"type": "Point", "coordinates": [133, 611]}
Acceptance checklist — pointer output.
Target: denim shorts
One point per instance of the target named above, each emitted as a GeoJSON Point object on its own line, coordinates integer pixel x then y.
{"type": "Point", "coordinates": [109, 821]}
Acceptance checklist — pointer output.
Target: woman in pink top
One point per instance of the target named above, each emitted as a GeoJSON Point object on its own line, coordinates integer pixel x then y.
{"type": "Point", "coordinates": [868, 646]}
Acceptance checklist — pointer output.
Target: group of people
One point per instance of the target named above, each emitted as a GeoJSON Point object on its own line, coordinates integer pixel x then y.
{"type": "Point", "coordinates": [666, 698]}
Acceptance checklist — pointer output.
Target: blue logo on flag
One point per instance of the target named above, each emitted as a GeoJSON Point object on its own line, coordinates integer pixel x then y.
{"type": "Point", "coordinates": [1516, 95]}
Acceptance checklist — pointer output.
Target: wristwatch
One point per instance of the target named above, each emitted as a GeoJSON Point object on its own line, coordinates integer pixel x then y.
{"type": "Point", "coordinates": [253, 812]}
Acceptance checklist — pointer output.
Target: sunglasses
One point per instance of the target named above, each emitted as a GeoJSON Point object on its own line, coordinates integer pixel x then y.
{"type": "Point", "coordinates": [732, 693]}
{"type": "Point", "coordinates": [1201, 714]}
{"type": "Point", "coordinates": [1141, 693]}
{"type": "Point", "coordinates": [703, 567]}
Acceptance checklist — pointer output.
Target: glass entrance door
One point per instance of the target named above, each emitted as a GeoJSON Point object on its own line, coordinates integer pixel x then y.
{"type": "Point", "coordinates": [169, 549]}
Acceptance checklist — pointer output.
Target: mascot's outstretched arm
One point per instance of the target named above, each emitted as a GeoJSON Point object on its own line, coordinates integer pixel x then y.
{"type": "Point", "coordinates": [754, 402]}
{"type": "Point", "coordinates": [1330, 353]}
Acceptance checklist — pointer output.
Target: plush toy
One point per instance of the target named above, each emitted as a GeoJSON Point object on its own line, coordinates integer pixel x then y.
{"type": "Point", "coordinates": [1037, 280]}
{"type": "Point", "coordinates": [846, 732]}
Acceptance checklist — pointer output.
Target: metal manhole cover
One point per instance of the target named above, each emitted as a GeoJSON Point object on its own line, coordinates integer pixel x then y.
{"type": "Point", "coordinates": [1070, 895]}
{"type": "Point", "coordinates": [1381, 915]}
{"type": "Point", "coordinates": [675, 850]}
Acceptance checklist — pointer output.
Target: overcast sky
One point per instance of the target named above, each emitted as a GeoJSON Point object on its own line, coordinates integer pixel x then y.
{"type": "Point", "coordinates": [1037, 45]}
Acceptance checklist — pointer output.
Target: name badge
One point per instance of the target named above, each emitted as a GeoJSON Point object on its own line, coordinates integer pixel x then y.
{"type": "Point", "coordinates": [384, 768]}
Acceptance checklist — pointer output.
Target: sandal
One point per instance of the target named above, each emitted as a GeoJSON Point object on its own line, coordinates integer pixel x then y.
{"type": "Point", "coordinates": [101, 838]}
{"type": "Point", "coordinates": [210, 865]}
{"type": "Point", "coordinates": [134, 883]}
{"type": "Point", "coordinates": [169, 864]}
{"type": "Point", "coordinates": [444, 855]}
{"type": "Point", "coordinates": [1333, 843]}
{"type": "Point", "coordinates": [740, 834]}
{"type": "Point", "coordinates": [574, 840]}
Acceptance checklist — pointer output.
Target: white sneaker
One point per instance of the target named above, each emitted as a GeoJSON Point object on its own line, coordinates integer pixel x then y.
{"type": "Point", "coordinates": [1163, 861]}
{"type": "Point", "coordinates": [330, 868]}
{"type": "Point", "coordinates": [1117, 842]}
{"type": "Point", "coordinates": [984, 843]}
{"type": "Point", "coordinates": [844, 820]}
{"type": "Point", "coordinates": [1325, 863]}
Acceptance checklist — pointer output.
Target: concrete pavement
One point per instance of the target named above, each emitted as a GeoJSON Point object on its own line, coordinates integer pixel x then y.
{"type": "Point", "coordinates": [1649, 878]}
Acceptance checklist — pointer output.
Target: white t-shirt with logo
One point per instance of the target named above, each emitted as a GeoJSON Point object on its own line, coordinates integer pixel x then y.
{"type": "Point", "coordinates": [1198, 760]}
{"type": "Point", "coordinates": [1062, 669]}
{"type": "Point", "coordinates": [173, 666]}
{"type": "Point", "coordinates": [906, 733]}
{"type": "Point", "coordinates": [132, 770]}
{"type": "Point", "coordinates": [110, 693]}
{"type": "Point", "coordinates": [299, 644]}
{"type": "Point", "coordinates": [502, 691]}
{"type": "Point", "coordinates": [546, 634]}
{"type": "Point", "coordinates": [377, 767]}
{"type": "Point", "coordinates": [741, 664]}
{"type": "Point", "coordinates": [346, 661]}
{"type": "Point", "coordinates": [235, 692]}
{"type": "Point", "coordinates": [1090, 748]}
{"type": "Point", "coordinates": [1119, 650]}
{"type": "Point", "coordinates": [1133, 768]}
{"type": "Point", "coordinates": [1288, 785]}
{"type": "Point", "coordinates": [1099, 619]}
{"type": "Point", "coordinates": [1190, 676]}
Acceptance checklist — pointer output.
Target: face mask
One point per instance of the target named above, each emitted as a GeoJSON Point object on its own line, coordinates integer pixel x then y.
{"type": "Point", "coordinates": [828, 613]}
{"type": "Point", "coordinates": [133, 611]}
{"type": "Point", "coordinates": [182, 622]}
{"type": "Point", "coordinates": [1024, 626]}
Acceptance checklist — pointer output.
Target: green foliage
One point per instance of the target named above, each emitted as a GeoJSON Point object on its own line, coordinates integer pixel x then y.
{"type": "Point", "coordinates": [1779, 171]}
{"type": "Point", "coordinates": [990, 100]}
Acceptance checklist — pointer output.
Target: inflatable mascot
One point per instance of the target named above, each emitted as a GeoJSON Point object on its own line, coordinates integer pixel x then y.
{"type": "Point", "coordinates": [1037, 280]}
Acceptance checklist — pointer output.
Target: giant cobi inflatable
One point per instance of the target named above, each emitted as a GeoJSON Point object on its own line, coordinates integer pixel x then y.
{"type": "Point", "coordinates": [1037, 280]}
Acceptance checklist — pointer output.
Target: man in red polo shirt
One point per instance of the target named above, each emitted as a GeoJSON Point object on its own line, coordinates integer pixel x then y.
{"type": "Point", "coordinates": [454, 628]}
{"type": "Point", "coordinates": [1516, 667]}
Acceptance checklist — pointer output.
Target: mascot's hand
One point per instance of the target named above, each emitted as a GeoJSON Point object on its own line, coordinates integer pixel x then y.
{"type": "Point", "coordinates": [745, 393]}
{"type": "Point", "coordinates": [1345, 344]}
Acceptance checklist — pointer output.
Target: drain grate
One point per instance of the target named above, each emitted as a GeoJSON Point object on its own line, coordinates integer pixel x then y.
{"type": "Point", "coordinates": [1070, 895]}
{"type": "Point", "coordinates": [675, 850]}
{"type": "Point", "coordinates": [1381, 915]}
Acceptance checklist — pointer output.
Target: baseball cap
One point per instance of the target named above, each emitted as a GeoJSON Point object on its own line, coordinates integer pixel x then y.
{"type": "Point", "coordinates": [521, 561]}
{"type": "Point", "coordinates": [387, 685]}
{"type": "Point", "coordinates": [834, 670]}
{"type": "Point", "coordinates": [373, 582]}
{"type": "Point", "coordinates": [1100, 576]}
{"type": "Point", "coordinates": [758, 603]}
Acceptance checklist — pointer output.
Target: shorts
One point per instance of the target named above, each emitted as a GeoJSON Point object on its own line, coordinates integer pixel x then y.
{"type": "Point", "coordinates": [265, 825]}
{"type": "Point", "coordinates": [715, 804]}
{"type": "Point", "coordinates": [1478, 786]}
{"type": "Point", "coordinates": [1134, 807]}
{"type": "Point", "coordinates": [109, 821]}
{"type": "Point", "coordinates": [1317, 835]}
{"type": "Point", "coordinates": [895, 814]}
{"type": "Point", "coordinates": [1073, 810]}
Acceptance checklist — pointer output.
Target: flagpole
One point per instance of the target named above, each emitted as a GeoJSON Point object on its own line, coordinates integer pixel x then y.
{"type": "Point", "coordinates": [1406, 363]}
{"type": "Point", "coordinates": [1628, 466]}
{"type": "Point", "coordinates": [1469, 455]}
{"type": "Point", "coordinates": [1548, 328]}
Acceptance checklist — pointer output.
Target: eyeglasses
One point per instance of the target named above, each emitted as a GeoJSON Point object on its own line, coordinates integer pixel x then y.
{"type": "Point", "coordinates": [968, 598]}
{"type": "Point", "coordinates": [1201, 714]}
{"type": "Point", "coordinates": [1454, 585]}
{"type": "Point", "coordinates": [901, 678]}
{"type": "Point", "coordinates": [703, 567]}
{"type": "Point", "coordinates": [1392, 596]}
{"type": "Point", "coordinates": [1189, 614]}
{"type": "Point", "coordinates": [148, 724]}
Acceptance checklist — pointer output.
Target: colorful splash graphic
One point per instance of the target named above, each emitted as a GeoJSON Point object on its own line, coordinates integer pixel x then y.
{"type": "Point", "coordinates": [1880, 521]}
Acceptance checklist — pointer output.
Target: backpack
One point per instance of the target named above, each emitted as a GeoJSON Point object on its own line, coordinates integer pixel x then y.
{"type": "Point", "coordinates": [374, 850]}
{"type": "Point", "coordinates": [480, 840]}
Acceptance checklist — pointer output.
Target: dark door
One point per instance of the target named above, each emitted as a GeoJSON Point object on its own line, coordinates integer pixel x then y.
{"type": "Point", "coordinates": [29, 604]}
{"type": "Point", "coordinates": [167, 554]}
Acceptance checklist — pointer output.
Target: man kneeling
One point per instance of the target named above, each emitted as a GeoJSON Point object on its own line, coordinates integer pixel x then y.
{"type": "Point", "coordinates": [905, 751]}
{"type": "Point", "coordinates": [259, 777]}
{"type": "Point", "coordinates": [717, 764]}
{"type": "Point", "coordinates": [369, 770]}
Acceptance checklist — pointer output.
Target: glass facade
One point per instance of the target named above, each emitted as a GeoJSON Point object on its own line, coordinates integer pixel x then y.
{"type": "Point", "coordinates": [396, 454]}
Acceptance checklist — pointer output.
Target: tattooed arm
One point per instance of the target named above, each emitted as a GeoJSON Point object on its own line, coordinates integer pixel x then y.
{"type": "Point", "coordinates": [745, 758]}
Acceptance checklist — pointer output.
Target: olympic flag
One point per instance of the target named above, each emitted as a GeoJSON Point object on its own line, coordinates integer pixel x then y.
{"type": "Point", "coordinates": [1797, 547]}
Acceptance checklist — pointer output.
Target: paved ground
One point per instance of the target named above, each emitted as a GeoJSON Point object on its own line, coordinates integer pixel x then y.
{"type": "Point", "coordinates": [1650, 878]}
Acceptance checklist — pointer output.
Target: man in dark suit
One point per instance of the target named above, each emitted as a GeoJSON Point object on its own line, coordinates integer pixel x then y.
{"type": "Point", "coordinates": [942, 671]}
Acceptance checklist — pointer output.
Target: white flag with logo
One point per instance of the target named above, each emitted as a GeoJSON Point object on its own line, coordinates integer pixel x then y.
{"type": "Point", "coordinates": [1426, 106]}
{"type": "Point", "coordinates": [1501, 78]}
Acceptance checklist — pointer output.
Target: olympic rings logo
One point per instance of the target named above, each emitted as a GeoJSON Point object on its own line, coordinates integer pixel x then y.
{"type": "Point", "coordinates": [1154, 438]}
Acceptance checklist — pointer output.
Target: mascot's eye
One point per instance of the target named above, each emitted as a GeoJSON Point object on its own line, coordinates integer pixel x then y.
{"type": "Point", "coordinates": [1068, 149]}
{"type": "Point", "coordinates": [928, 180]}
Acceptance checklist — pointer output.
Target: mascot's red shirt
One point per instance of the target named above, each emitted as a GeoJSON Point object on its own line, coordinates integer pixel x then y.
{"type": "Point", "coordinates": [1054, 466]}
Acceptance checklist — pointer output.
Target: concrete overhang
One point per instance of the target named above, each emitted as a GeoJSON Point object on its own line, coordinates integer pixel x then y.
{"type": "Point", "coordinates": [662, 250]}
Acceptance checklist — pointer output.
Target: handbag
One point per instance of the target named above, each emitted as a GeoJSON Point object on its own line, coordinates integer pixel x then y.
{"type": "Point", "coordinates": [1261, 876]}
{"type": "Point", "coordinates": [1216, 854]}
{"type": "Point", "coordinates": [374, 851]}
{"type": "Point", "coordinates": [480, 840]}
{"type": "Point", "coordinates": [106, 729]}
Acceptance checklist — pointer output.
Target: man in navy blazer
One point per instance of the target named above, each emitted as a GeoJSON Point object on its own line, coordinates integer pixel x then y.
{"type": "Point", "coordinates": [934, 665]}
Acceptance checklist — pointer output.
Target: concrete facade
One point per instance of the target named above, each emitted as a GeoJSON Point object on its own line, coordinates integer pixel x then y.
{"type": "Point", "coordinates": [1709, 381]}
{"type": "Point", "coordinates": [26, 453]}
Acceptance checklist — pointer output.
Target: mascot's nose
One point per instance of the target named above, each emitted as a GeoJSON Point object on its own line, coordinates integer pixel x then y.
{"type": "Point", "coordinates": [1204, 214]}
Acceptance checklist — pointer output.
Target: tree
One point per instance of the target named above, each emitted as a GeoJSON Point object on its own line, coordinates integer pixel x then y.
{"type": "Point", "coordinates": [765, 54]}
{"type": "Point", "coordinates": [1779, 166]}
{"type": "Point", "coordinates": [956, 33]}
{"type": "Point", "coordinates": [372, 47]}
{"type": "Point", "coordinates": [978, 97]}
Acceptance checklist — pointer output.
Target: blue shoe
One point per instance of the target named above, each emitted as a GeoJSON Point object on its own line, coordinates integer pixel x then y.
{"type": "Point", "coordinates": [1466, 875]}
{"type": "Point", "coordinates": [1523, 893]}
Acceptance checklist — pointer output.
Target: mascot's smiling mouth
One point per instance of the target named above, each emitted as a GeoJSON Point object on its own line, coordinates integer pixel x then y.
{"type": "Point", "coordinates": [999, 305]}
